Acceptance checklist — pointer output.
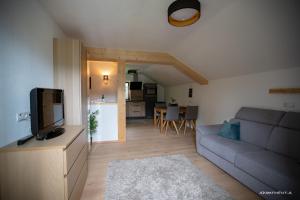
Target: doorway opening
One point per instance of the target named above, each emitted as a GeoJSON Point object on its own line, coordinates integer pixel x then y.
{"type": "Point", "coordinates": [103, 100]}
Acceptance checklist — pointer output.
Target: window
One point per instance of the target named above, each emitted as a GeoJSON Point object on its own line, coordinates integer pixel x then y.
{"type": "Point", "coordinates": [126, 90]}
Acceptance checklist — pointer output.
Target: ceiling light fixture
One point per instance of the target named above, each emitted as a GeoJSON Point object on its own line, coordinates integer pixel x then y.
{"type": "Point", "coordinates": [184, 12]}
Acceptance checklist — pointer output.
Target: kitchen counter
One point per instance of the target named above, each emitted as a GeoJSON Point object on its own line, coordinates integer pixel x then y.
{"type": "Point", "coordinates": [135, 101]}
{"type": "Point", "coordinates": [102, 103]}
{"type": "Point", "coordinates": [107, 118]}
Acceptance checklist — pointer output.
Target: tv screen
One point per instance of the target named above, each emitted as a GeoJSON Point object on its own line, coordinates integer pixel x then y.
{"type": "Point", "coordinates": [47, 111]}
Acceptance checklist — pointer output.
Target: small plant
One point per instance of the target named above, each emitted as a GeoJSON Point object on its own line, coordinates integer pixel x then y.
{"type": "Point", "coordinates": [93, 124]}
{"type": "Point", "coordinates": [173, 101]}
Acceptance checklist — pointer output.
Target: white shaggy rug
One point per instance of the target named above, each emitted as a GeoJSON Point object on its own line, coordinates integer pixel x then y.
{"type": "Point", "coordinates": [159, 178]}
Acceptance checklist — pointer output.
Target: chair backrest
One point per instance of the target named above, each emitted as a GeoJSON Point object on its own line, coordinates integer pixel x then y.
{"type": "Point", "coordinates": [191, 113]}
{"type": "Point", "coordinates": [160, 104]}
{"type": "Point", "coordinates": [172, 113]}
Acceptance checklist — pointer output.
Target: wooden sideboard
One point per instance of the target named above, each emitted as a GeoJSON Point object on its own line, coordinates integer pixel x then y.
{"type": "Point", "coordinates": [54, 169]}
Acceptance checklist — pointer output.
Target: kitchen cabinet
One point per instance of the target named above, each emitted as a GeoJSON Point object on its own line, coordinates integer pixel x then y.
{"type": "Point", "coordinates": [135, 109]}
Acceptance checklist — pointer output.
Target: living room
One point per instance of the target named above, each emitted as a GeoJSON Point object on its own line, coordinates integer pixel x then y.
{"type": "Point", "coordinates": [233, 66]}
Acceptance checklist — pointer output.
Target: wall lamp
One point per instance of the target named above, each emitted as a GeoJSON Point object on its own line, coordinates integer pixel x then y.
{"type": "Point", "coordinates": [105, 79]}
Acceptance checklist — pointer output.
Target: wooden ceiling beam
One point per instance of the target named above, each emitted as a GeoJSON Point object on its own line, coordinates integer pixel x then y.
{"type": "Point", "coordinates": [183, 68]}
{"type": "Point", "coordinates": [116, 55]}
{"type": "Point", "coordinates": [128, 56]}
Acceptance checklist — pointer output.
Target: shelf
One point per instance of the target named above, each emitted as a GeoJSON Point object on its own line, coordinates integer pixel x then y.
{"type": "Point", "coordinates": [284, 91]}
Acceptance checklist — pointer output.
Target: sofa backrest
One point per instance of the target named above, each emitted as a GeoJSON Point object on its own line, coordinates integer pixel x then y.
{"type": "Point", "coordinates": [285, 138]}
{"type": "Point", "coordinates": [257, 124]}
{"type": "Point", "coordinates": [254, 132]}
{"type": "Point", "coordinates": [265, 116]}
{"type": "Point", "coordinates": [291, 120]}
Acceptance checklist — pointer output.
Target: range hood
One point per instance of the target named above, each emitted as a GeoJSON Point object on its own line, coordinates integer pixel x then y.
{"type": "Point", "coordinates": [133, 72]}
{"type": "Point", "coordinates": [135, 84]}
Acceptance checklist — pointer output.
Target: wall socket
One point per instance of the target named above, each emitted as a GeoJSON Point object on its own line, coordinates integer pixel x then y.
{"type": "Point", "coordinates": [23, 116]}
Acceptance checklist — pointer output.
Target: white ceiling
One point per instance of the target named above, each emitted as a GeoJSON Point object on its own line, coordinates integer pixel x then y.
{"type": "Point", "coordinates": [165, 75]}
{"type": "Point", "coordinates": [233, 37]}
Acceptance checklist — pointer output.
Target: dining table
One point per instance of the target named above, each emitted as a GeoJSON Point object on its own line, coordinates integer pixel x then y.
{"type": "Point", "coordinates": [162, 111]}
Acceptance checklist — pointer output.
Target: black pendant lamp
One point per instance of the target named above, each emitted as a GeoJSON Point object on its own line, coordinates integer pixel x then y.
{"type": "Point", "coordinates": [184, 12]}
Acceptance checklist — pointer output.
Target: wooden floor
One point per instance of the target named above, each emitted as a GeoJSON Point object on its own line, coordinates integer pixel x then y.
{"type": "Point", "coordinates": [144, 140]}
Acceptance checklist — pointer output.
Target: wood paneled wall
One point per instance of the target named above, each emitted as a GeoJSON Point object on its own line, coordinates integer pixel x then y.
{"type": "Point", "coordinates": [70, 74]}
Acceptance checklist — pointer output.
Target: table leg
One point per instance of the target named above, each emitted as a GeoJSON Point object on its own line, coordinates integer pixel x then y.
{"type": "Point", "coordinates": [154, 117]}
{"type": "Point", "coordinates": [161, 121]}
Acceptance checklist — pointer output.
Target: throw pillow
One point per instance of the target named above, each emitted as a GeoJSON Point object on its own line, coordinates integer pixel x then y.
{"type": "Point", "coordinates": [230, 130]}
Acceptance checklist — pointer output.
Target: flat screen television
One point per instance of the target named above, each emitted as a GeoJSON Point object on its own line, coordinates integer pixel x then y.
{"type": "Point", "coordinates": [47, 112]}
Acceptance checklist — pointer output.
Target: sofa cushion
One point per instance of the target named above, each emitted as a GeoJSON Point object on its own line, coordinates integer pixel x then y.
{"type": "Point", "coordinates": [291, 120]}
{"type": "Point", "coordinates": [285, 141]}
{"type": "Point", "coordinates": [265, 116]}
{"type": "Point", "coordinates": [276, 171]}
{"type": "Point", "coordinates": [226, 148]}
{"type": "Point", "coordinates": [254, 133]}
{"type": "Point", "coordinates": [209, 129]}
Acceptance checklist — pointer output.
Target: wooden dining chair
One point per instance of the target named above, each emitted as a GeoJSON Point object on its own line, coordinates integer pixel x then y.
{"type": "Point", "coordinates": [190, 117]}
{"type": "Point", "coordinates": [172, 116]}
{"type": "Point", "coordinates": [157, 114]}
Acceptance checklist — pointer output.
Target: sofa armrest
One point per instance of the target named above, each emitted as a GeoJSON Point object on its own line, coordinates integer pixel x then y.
{"type": "Point", "coordinates": [209, 129]}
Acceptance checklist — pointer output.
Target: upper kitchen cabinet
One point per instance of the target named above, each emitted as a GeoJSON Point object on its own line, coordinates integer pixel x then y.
{"type": "Point", "coordinates": [70, 74]}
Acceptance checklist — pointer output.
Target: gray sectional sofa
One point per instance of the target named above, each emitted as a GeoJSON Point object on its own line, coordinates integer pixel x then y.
{"type": "Point", "coordinates": [267, 156]}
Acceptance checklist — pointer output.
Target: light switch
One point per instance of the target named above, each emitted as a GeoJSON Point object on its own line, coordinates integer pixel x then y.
{"type": "Point", "coordinates": [23, 116]}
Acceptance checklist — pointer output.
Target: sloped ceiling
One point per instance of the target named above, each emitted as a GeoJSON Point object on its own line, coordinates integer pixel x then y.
{"type": "Point", "coordinates": [233, 37]}
{"type": "Point", "coordinates": [165, 75]}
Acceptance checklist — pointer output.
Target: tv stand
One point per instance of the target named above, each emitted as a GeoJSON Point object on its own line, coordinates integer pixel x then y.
{"type": "Point", "coordinates": [48, 169]}
{"type": "Point", "coordinates": [57, 132]}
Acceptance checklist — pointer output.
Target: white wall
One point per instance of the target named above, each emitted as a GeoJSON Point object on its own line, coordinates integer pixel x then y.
{"type": "Point", "coordinates": [96, 71]}
{"type": "Point", "coordinates": [221, 99]}
{"type": "Point", "coordinates": [26, 38]}
{"type": "Point", "coordinates": [160, 93]}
